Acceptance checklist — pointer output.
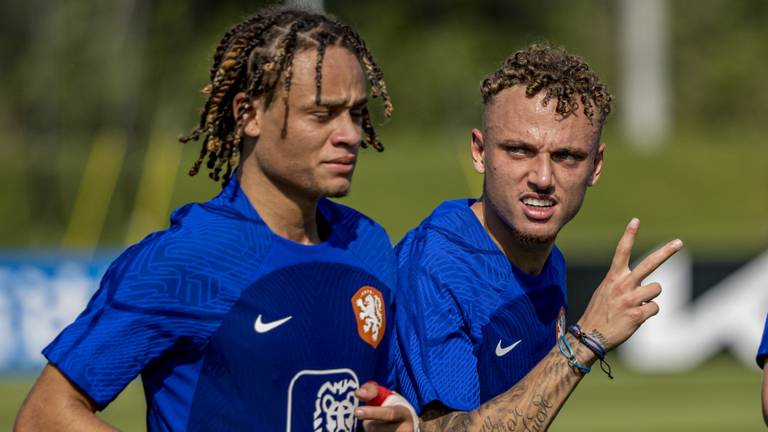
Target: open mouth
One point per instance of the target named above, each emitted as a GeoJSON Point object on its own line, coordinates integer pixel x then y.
{"type": "Point", "coordinates": [539, 209]}
{"type": "Point", "coordinates": [539, 203]}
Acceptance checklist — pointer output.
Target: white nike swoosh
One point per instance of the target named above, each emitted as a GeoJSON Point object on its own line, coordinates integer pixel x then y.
{"type": "Point", "coordinates": [501, 352]}
{"type": "Point", "coordinates": [261, 327]}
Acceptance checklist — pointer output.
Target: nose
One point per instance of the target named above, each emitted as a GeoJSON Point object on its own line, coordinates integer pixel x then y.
{"type": "Point", "coordinates": [540, 177]}
{"type": "Point", "coordinates": [348, 131]}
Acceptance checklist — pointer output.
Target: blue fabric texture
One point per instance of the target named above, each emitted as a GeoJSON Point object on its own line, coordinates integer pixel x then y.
{"type": "Point", "coordinates": [235, 328]}
{"type": "Point", "coordinates": [470, 324]}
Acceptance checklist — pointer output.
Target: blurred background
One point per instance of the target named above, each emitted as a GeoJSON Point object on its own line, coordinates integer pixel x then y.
{"type": "Point", "coordinates": [93, 96]}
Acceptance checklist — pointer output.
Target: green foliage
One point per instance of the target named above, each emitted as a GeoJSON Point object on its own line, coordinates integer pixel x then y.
{"type": "Point", "coordinates": [71, 70]}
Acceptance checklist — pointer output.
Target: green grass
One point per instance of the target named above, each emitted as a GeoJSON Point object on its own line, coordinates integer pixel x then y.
{"type": "Point", "coordinates": [721, 395]}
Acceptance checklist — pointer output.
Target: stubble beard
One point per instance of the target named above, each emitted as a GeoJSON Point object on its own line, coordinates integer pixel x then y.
{"type": "Point", "coordinates": [528, 239]}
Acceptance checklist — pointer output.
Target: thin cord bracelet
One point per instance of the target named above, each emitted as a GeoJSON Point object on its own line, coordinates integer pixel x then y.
{"type": "Point", "coordinates": [563, 345]}
{"type": "Point", "coordinates": [594, 344]}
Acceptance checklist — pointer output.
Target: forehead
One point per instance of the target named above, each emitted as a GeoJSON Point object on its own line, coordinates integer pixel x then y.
{"type": "Point", "coordinates": [340, 71]}
{"type": "Point", "coordinates": [511, 115]}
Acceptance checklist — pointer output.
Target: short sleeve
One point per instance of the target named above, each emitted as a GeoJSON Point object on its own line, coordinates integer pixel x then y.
{"type": "Point", "coordinates": [762, 351]}
{"type": "Point", "coordinates": [437, 361]}
{"type": "Point", "coordinates": [132, 319]}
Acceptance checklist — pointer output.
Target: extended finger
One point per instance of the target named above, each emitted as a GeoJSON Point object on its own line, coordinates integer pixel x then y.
{"type": "Point", "coordinates": [647, 293]}
{"type": "Point", "coordinates": [654, 260]}
{"type": "Point", "coordinates": [648, 310]}
{"type": "Point", "coordinates": [384, 414]}
{"type": "Point", "coordinates": [624, 247]}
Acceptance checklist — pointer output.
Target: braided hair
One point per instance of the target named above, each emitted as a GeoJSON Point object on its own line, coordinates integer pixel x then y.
{"type": "Point", "coordinates": [561, 75]}
{"type": "Point", "coordinates": [256, 57]}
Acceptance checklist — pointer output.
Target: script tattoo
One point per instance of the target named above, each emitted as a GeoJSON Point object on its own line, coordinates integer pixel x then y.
{"type": "Point", "coordinates": [529, 406]}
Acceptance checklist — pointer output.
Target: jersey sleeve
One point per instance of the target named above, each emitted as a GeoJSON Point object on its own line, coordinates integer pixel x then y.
{"type": "Point", "coordinates": [762, 351]}
{"type": "Point", "coordinates": [437, 361]}
{"type": "Point", "coordinates": [135, 317]}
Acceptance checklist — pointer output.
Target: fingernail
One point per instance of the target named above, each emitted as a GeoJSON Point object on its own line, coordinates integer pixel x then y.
{"type": "Point", "coordinates": [677, 243]}
{"type": "Point", "coordinates": [359, 412]}
{"type": "Point", "coordinates": [634, 223]}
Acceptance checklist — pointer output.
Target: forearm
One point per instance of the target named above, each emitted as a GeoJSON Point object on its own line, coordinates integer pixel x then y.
{"type": "Point", "coordinates": [54, 404]}
{"type": "Point", "coordinates": [64, 417]}
{"type": "Point", "coordinates": [530, 405]}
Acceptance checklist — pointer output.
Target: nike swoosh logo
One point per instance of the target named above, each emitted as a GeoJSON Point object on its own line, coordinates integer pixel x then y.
{"type": "Point", "coordinates": [501, 352]}
{"type": "Point", "coordinates": [262, 327]}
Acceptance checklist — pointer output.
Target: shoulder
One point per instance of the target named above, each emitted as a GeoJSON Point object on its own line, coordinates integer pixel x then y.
{"type": "Point", "coordinates": [358, 226]}
{"type": "Point", "coordinates": [363, 237]}
{"type": "Point", "coordinates": [190, 263]}
{"type": "Point", "coordinates": [445, 238]}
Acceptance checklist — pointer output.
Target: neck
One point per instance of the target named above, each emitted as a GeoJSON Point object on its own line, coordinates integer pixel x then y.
{"type": "Point", "coordinates": [285, 210]}
{"type": "Point", "coordinates": [528, 257]}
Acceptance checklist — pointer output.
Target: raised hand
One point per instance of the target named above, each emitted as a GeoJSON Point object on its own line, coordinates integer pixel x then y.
{"type": "Point", "coordinates": [620, 304]}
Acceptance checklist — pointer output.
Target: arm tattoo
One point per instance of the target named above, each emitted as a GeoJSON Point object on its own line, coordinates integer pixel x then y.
{"type": "Point", "coordinates": [529, 406]}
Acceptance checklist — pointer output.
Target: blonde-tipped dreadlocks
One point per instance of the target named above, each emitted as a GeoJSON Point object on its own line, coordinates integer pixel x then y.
{"type": "Point", "coordinates": [253, 57]}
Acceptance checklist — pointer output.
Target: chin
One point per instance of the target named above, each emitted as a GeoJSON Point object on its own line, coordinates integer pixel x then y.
{"type": "Point", "coordinates": [534, 237]}
{"type": "Point", "coordinates": [337, 192]}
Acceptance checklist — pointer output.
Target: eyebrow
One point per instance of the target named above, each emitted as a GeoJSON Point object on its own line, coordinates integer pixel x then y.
{"type": "Point", "coordinates": [517, 143]}
{"type": "Point", "coordinates": [528, 146]}
{"type": "Point", "coordinates": [342, 103]}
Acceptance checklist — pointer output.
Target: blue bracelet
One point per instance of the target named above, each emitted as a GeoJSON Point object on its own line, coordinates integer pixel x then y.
{"type": "Point", "coordinates": [594, 345]}
{"type": "Point", "coordinates": [571, 357]}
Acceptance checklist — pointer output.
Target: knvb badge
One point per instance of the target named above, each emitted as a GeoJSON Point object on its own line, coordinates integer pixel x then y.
{"type": "Point", "coordinates": [368, 306]}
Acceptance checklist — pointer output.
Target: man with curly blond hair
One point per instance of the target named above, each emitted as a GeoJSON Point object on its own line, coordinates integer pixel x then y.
{"type": "Point", "coordinates": [481, 315]}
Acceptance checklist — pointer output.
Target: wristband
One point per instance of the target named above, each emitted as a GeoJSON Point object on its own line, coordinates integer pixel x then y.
{"type": "Point", "coordinates": [563, 346]}
{"type": "Point", "coordinates": [594, 344]}
{"type": "Point", "coordinates": [386, 397]}
{"type": "Point", "coordinates": [381, 395]}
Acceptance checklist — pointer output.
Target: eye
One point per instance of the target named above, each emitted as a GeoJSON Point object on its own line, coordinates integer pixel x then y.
{"type": "Point", "coordinates": [566, 156]}
{"type": "Point", "coordinates": [323, 115]}
{"type": "Point", "coordinates": [518, 151]}
{"type": "Point", "coordinates": [357, 115]}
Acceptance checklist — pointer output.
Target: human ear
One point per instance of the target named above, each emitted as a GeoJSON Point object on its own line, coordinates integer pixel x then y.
{"type": "Point", "coordinates": [597, 168]}
{"type": "Point", "coordinates": [477, 147]}
{"type": "Point", "coordinates": [249, 110]}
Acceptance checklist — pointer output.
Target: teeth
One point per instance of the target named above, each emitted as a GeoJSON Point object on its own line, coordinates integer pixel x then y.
{"type": "Point", "coordinates": [537, 202]}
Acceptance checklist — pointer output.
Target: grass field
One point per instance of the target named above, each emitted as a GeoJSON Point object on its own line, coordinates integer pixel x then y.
{"type": "Point", "coordinates": [721, 395]}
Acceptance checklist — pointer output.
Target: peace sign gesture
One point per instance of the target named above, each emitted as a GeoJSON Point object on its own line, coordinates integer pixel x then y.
{"type": "Point", "coordinates": [620, 304]}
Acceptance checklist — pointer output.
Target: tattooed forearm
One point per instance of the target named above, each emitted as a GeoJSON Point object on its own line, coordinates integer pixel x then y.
{"type": "Point", "coordinates": [529, 406]}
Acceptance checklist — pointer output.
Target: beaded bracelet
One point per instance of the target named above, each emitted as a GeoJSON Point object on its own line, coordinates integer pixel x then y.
{"type": "Point", "coordinates": [563, 345]}
{"type": "Point", "coordinates": [594, 344]}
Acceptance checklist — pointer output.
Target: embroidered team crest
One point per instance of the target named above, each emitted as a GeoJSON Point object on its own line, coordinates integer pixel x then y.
{"type": "Point", "coordinates": [560, 324]}
{"type": "Point", "coordinates": [368, 305]}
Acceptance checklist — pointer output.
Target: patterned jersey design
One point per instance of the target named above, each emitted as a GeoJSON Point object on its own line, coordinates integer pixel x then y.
{"type": "Point", "coordinates": [199, 310]}
{"type": "Point", "coordinates": [469, 323]}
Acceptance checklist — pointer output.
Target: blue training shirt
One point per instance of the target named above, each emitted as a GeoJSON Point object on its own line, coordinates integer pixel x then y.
{"type": "Point", "coordinates": [469, 323]}
{"type": "Point", "coordinates": [235, 328]}
{"type": "Point", "coordinates": [762, 351]}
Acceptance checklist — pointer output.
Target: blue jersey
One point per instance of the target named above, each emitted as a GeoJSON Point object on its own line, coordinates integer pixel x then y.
{"type": "Point", "coordinates": [470, 324]}
{"type": "Point", "coordinates": [762, 352]}
{"type": "Point", "coordinates": [235, 328]}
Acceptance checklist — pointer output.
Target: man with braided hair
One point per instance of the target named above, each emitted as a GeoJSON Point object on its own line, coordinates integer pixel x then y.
{"type": "Point", "coordinates": [268, 306]}
{"type": "Point", "coordinates": [482, 300]}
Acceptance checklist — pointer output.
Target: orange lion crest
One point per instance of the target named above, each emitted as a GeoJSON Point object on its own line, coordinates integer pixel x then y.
{"type": "Point", "coordinates": [368, 306]}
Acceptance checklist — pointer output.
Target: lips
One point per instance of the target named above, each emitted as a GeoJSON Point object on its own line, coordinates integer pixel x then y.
{"type": "Point", "coordinates": [342, 164]}
{"type": "Point", "coordinates": [539, 208]}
